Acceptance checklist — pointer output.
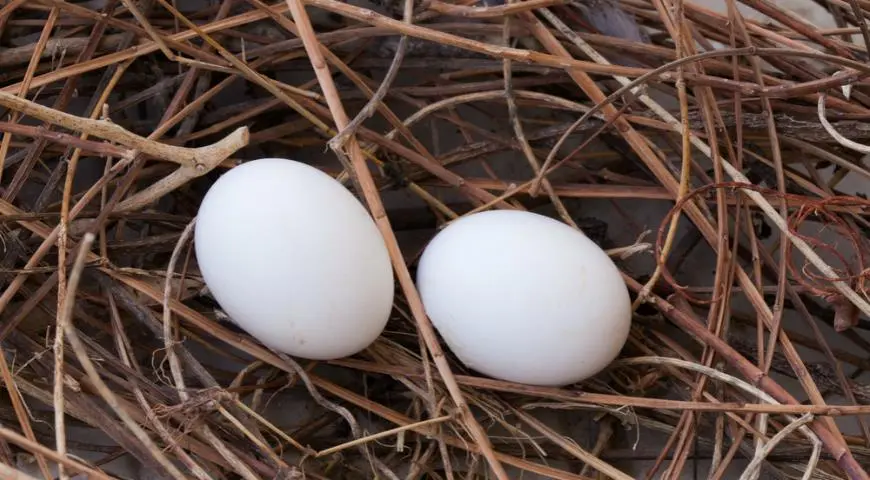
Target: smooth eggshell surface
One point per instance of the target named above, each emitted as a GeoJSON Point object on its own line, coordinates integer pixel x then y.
{"type": "Point", "coordinates": [294, 259]}
{"type": "Point", "coordinates": [524, 298]}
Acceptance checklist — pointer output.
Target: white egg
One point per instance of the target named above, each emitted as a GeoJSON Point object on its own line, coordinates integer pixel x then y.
{"type": "Point", "coordinates": [524, 298]}
{"type": "Point", "coordinates": [294, 259]}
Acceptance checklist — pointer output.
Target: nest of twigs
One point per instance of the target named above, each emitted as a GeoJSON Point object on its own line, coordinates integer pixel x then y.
{"type": "Point", "coordinates": [716, 156]}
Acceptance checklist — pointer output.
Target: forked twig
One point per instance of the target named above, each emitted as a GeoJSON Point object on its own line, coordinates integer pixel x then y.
{"type": "Point", "coordinates": [196, 158]}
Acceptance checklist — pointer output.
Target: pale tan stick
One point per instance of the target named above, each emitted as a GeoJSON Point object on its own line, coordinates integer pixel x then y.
{"type": "Point", "coordinates": [265, 448]}
{"type": "Point", "coordinates": [137, 14]}
{"type": "Point", "coordinates": [385, 433]}
{"type": "Point", "coordinates": [752, 468]}
{"type": "Point", "coordinates": [273, 428]}
{"type": "Point", "coordinates": [63, 240]}
{"type": "Point", "coordinates": [58, 400]}
{"type": "Point", "coordinates": [370, 192]}
{"type": "Point", "coordinates": [86, 363]}
{"type": "Point", "coordinates": [820, 110]}
{"type": "Point", "coordinates": [62, 283]}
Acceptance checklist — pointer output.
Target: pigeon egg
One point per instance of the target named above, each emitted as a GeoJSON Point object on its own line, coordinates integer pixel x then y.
{"type": "Point", "coordinates": [524, 298]}
{"type": "Point", "coordinates": [294, 259]}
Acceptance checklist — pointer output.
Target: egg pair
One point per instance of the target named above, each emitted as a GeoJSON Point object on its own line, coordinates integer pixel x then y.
{"type": "Point", "coordinates": [297, 262]}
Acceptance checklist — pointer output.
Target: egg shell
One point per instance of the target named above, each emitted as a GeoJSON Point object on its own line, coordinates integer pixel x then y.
{"type": "Point", "coordinates": [294, 259]}
{"type": "Point", "coordinates": [525, 298]}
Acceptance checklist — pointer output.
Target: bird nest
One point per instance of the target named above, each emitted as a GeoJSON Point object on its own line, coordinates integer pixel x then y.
{"type": "Point", "coordinates": [715, 154]}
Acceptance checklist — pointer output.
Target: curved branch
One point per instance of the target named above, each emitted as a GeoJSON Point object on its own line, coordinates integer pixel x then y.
{"type": "Point", "coordinates": [858, 147]}
{"type": "Point", "coordinates": [207, 160]}
{"type": "Point", "coordinates": [191, 157]}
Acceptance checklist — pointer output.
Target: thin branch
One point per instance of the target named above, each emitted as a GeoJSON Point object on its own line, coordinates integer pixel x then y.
{"type": "Point", "coordinates": [338, 141]}
{"type": "Point", "coordinates": [858, 147]}
{"type": "Point", "coordinates": [194, 158]}
{"type": "Point", "coordinates": [385, 433]}
{"type": "Point", "coordinates": [82, 355]}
